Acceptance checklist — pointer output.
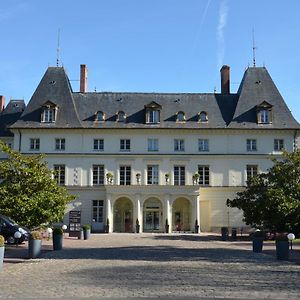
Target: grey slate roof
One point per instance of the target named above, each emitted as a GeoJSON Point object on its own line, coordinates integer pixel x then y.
{"type": "Point", "coordinates": [54, 87]}
{"type": "Point", "coordinates": [256, 87]}
{"type": "Point", "coordinates": [77, 110]}
{"type": "Point", "coordinates": [10, 115]}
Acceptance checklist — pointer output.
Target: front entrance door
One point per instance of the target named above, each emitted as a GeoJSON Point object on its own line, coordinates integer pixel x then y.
{"type": "Point", "coordinates": [151, 220]}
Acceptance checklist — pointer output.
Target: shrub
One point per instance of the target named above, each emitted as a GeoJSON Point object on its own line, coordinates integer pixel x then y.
{"type": "Point", "coordinates": [2, 240]}
{"type": "Point", "coordinates": [57, 231]}
{"type": "Point", "coordinates": [36, 235]}
{"type": "Point", "coordinates": [86, 226]}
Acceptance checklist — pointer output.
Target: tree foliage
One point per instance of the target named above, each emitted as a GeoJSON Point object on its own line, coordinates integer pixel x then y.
{"type": "Point", "coordinates": [28, 194]}
{"type": "Point", "coordinates": [272, 200]}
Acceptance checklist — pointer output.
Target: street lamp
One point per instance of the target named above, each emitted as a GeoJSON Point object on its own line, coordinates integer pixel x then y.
{"type": "Point", "coordinates": [49, 231]}
{"type": "Point", "coordinates": [17, 236]}
{"type": "Point", "coordinates": [291, 237]}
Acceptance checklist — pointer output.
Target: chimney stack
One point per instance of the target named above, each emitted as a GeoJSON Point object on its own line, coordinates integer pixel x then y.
{"type": "Point", "coordinates": [83, 78]}
{"type": "Point", "coordinates": [225, 79]}
{"type": "Point", "coordinates": [2, 103]}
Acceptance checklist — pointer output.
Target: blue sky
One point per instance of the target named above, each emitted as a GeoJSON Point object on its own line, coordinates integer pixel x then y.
{"type": "Point", "coordinates": [150, 45]}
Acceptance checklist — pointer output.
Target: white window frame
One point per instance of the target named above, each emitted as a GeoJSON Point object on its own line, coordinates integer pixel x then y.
{"type": "Point", "coordinates": [48, 115]}
{"type": "Point", "coordinates": [60, 173]}
{"type": "Point", "coordinates": [60, 144]}
{"type": "Point", "coordinates": [153, 116]}
{"type": "Point", "coordinates": [152, 174]}
{"type": "Point", "coordinates": [153, 145]}
{"type": "Point", "coordinates": [98, 145]}
{"type": "Point", "coordinates": [179, 175]}
{"type": "Point", "coordinates": [251, 170]}
{"type": "Point", "coordinates": [278, 144]}
{"type": "Point", "coordinates": [97, 211]}
{"type": "Point", "coordinates": [98, 174]}
{"type": "Point", "coordinates": [203, 145]}
{"type": "Point", "coordinates": [265, 116]}
{"type": "Point", "coordinates": [125, 175]}
{"type": "Point", "coordinates": [179, 145]}
{"type": "Point", "coordinates": [204, 172]}
{"type": "Point", "coordinates": [125, 145]}
{"type": "Point", "coordinates": [251, 145]}
{"type": "Point", "coordinates": [34, 144]}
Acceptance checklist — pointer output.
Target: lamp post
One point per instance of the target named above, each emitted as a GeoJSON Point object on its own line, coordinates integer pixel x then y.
{"type": "Point", "coordinates": [291, 237]}
{"type": "Point", "coordinates": [49, 231]}
{"type": "Point", "coordinates": [64, 227]}
{"type": "Point", "coordinates": [17, 236]}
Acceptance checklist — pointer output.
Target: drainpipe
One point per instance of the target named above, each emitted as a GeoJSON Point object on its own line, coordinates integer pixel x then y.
{"type": "Point", "coordinates": [20, 140]}
{"type": "Point", "coordinates": [295, 142]}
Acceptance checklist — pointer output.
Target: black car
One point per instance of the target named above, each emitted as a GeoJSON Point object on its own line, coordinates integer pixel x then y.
{"type": "Point", "coordinates": [8, 228]}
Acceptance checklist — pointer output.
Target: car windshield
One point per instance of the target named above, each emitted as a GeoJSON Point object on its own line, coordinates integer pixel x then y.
{"type": "Point", "coordinates": [7, 219]}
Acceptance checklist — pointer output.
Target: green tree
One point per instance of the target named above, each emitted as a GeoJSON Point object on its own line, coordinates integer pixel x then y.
{"type": "Point", "coordinates": [28, 194]}
{"type": "Point", "coordinates": [272, 200]}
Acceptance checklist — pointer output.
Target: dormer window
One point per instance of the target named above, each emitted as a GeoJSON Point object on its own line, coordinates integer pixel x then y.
{"type": "Point", "coordinates": [49, 112]}
{"type": "Point", "coordinates": [121, 116]}
{"type": "Point", "coordinates": [180, 117]}
{"type": "Point", "coordinates": [264, 113]}
{"type": "Point", "coordinates": [152, 113]}
{"type": "Point", "coordinates": [99, 116]}
{"type": "Point", "coordinates": [203, 117]}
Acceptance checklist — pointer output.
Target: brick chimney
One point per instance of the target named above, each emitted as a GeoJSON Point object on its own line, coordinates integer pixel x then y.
{"type": "Point", "coordinates": [225, 79]}
{"type": "Point", "coordinates": [2, 103]}
{"type": "Point", "coordinates": [83, 78]}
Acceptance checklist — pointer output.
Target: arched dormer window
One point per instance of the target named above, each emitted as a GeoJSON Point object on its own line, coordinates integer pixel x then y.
{"type": "Point", "coordinates": [152, 113]}
{"type": "Point", "coordinates": [180, 117]}
{"type": "Point", "coordinates": [203, 117]}
{"type": "Point", "coordinates": [121, 116]}
{"type": "Point", "coordinates": [49, 112]}
{"type": "Point", "coordinates": [264, 113]}
{"type": "Point", "coordinates": [99, 116]}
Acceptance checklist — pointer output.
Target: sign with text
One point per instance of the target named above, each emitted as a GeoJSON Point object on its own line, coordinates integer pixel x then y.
{"type": "Point", "coordinates": [74, 223]}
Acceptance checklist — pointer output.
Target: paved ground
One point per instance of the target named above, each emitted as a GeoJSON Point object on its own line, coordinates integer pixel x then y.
{"type": "Point", "coordinates": [149, 265]}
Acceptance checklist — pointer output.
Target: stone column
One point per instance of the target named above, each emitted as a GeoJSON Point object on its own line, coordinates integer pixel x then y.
{"type": "Point", "coordinates": [137, 212]}
{"type": "Point", "coordinates": [197, 210]}
{"type": "Point", "coordinates": [109, 212]}
{"type": "Point", "coordinates": [168, 212]}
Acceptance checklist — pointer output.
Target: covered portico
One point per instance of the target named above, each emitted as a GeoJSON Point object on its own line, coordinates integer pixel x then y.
{"type": "Point", "coordinates": [152, 207]}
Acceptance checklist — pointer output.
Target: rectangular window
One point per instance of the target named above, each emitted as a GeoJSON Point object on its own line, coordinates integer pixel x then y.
{"type": "Point", "coordinates": [48, 115]}
{"type": "Point", "coordinates": [264, 116]}
{"type": "Point", "coordinates": [125, 175]}
{"type": "Point", "coordinates": [125, 145]}
{"type": "Point", "coordinates": [178, 145]}
{"type": "Point", "coordinates": [60, 174]}
{"type": "Point", "coordinates": [98, 174]}
{"type": "Point", "coordinates": [153, 116]}
{"type": "Point", "coordinates": [251, 171]}
{"type": "Point", "coordinates": [251, 145]}
{"type": "Point", "coordinates": [98, 144]}
{"type": "Point", "coordinates": [152, 174]}
{"type": "Point", "coordinates": [179, 175]}
{"type": "Point", "coordinates": [98, 211]}
{"type": "Point", "coordinates": [278, 144]}
{"type": "Point", "coordinates": [60, 144]}
{"type": "Point", "coordinates": [152, 144]}
{"type": "Point", "coordinates": [34, 144]}
{"type": "Point", "coordinates": [204, 175]}
{"type": "Point", "coordinates": [203, 145]}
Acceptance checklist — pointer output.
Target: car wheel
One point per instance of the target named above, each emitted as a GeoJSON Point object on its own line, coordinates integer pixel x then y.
{"type": "Point", "coordinates": [11, 240]}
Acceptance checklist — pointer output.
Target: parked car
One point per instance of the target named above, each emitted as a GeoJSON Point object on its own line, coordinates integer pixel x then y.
{"type": "Point", "coordinates": [8, 228]}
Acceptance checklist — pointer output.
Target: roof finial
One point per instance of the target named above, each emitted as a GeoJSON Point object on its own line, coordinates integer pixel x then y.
{"type": "Point", "coordinates": [58, 49]}
{"type": "Point", "coordinates": [253, 48]}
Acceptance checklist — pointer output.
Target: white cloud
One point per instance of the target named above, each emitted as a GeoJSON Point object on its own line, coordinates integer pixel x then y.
{"type": "Point", "coordinates": [223, 12]}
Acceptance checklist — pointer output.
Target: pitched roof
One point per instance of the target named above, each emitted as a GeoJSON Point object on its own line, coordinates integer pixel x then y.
{"type": "Point", "coordinates": [54, 87]}
{"type": "Point", "coordinates": [77, 110]}
{"type": "Point", "coordinates": [256, 88]}
{"type": "Point", "coordinates": [10, 115]}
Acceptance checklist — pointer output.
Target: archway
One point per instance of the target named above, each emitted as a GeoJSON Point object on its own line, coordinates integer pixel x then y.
{"type": "Point", "coordinates": [123, 215]}
{"type": "Point", "coordinates": [181, 215]}
{"type": "Point", "coordinates": [152, 214]}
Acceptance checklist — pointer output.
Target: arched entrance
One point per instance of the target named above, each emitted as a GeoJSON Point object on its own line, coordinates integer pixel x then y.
{"type": "Point", "coordinates": [181, 215]}
{"type": "Point", "coordinates": [152, 215]}
{"type": "Point", "coordinates": [123, 215]}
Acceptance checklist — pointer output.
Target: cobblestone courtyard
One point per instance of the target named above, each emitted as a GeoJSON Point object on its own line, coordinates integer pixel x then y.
{"type": "Point", "coordinates": [150, 265]}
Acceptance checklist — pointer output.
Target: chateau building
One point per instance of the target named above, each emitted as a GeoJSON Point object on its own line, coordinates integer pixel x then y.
{"type": "Point", "coordinates": [153, 157]}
